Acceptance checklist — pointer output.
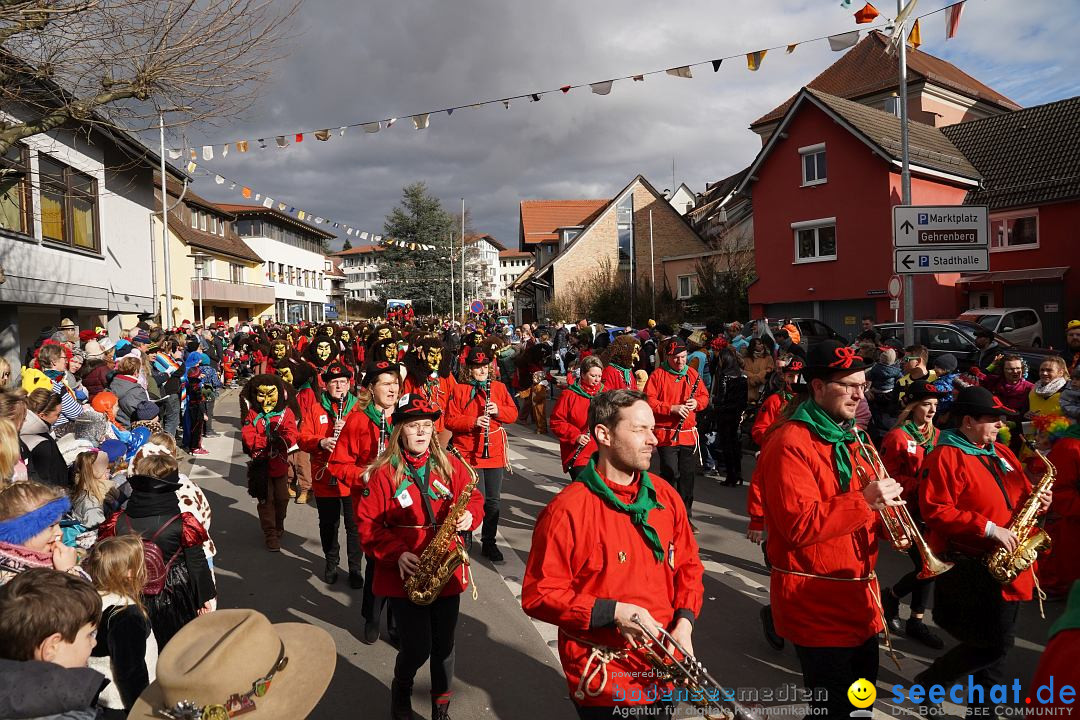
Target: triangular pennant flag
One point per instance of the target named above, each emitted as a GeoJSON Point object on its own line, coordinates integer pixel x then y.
{"type": "Point", "coordinates": [322, 135]}
{"type": "Point", "coordinates": [319, 220]}
{"type": "Point", "coordinates": [791, 48]}
{"type": "Point", "coordinates": [207, 152]}
{"type": "Point", "coordinates": [246, 192]}
{"type": "Point", "coordinates": [258, 196]}
{"type": "Point", "coordinates": [341, 131]}
{"type": "Point", "coordinates": [449, 111]}
{"type": "Point", "coordinates": [225, 150]}
{"type": "Point", "coordinates": [420, 122]}
{"type": "Point", "coordinates": [867, 14]}
{"type": "Point", "coordinates": [506, 104]}
{"type": "Point", "coordinates": [281, 207]}
{"type": "Point", "coordinates": [232, 186]}
{"type": "Point", "coordinates": [378, 238]}
{"type": "Point", "coordinates": [371, 127]}
{"type": "Point", "coordinates": [412, 246]}
{"type": "Point", "coordinates": [242, 146]}
{"type": "Point", "coordinates": [300, 215]}
{"type": "Point", "coordinates": [914, 38]}
{"type": "Point", "coordinates": [683, 72]}
{"type": "Point", "coordinates": [268, 203]}
{"type": "Point", "coordinates": [299, 137]}
{"type": "Point", "coordinates": [349, 231]}
{"type": "Point", "coordinates": [843, 41]}
{"type": "Point", "coordinates": [716, 64]}
{"type": "Point", "coordinates": [292, 210]}
{"type": "Point", "coordinates": [753, 60]}
{"type": "Point", "coordinates": [191, 167]}
{"type": "Point", "coordinates": [364, 235]}
{"type": "Point", "coordinates": [390, 123]}
{"type": "Point", "coordinates": [638, 78]}
{"type": "Point", "coordinates": [601, 88]}
{"type": "Point", "coordinates": [219, 180]}
{"type": "Point", "coordinates": [952, 19]}
{"type": "Point", "coordinates": [898, 25]}
{"type": "Point", "coordinates": [336, 225]}
{"type": "Point", "coordinates": [174, 154]}
{"type": "Point", "coordinates": [535, 97]}
{"type": "Point", "coordinates": [281, 141]}
{"type": "Point", "coordinates": [565, 89]}
{"type": "Point", "coordinates": [193, 154]}
{"type": "Point", "coordinates": [846, 4]}
{"type": "Point", "coordinates": [262, 143]}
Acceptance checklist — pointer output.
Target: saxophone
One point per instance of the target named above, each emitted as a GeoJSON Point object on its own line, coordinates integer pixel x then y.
{"type": "Point", "coordinates": [1004, 565]}
{"type": "Point", "coordinates": [438, 563]}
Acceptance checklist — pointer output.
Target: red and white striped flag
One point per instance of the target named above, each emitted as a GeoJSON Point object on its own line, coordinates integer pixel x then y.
{"type": "Point", "coordinates": [952, 20]}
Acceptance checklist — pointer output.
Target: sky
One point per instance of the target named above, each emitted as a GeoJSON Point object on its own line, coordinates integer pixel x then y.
{"type": "Point", "coordinates": [349, 62]}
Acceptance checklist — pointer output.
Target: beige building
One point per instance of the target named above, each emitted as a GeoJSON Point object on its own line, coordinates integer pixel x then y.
{"type": "Point", "coordinates": [232, 287]}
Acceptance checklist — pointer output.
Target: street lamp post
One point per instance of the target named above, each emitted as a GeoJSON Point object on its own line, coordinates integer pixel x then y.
{"type": "Point", "coordinates": [200, 265]}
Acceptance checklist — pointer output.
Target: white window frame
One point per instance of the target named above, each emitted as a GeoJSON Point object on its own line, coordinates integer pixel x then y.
{"type": "Point", "coordinates": [817, 149]}
{"type": "Point", "coordinates": [691, 282]}
{"type": "Point", "coordinates": [202, 221]}
{"type": "Point", "coordinates": [1033, 212]}
{"type": "Point", "coordinates": [814, 225]}
{"type": "Point", "coordinates": [194, 219]}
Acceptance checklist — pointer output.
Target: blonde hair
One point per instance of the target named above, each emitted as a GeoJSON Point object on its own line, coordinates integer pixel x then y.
{"type": "Point", "coordinates": [156, 466]}
{"type": "Point", "coordinates": [1058, 362]}
{"type": "Point", "coordinates": [12, 404]}
{"type": "Point", "coordinates": [392, 456]}
{"type": "Point", "coordinates": [25, 496]}
{"type": "Point", "coordinates": [5, 366]}
{"type": "Point", "coordinates": [118, 565]}
{"type": "Point", "coordinates": [9, 450]}
{"type": "Point", "coordinates": [85, 481]}
{"type": "Point", "coordinates": [129, 365]}
{"type": "Point", "coordinates": [165, 440]}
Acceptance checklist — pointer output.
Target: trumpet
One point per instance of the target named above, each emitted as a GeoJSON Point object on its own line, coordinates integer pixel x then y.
{"type": "Point", "coordinates": [705, 692]}
{"type": "Point", "coordinates": [900, 525]}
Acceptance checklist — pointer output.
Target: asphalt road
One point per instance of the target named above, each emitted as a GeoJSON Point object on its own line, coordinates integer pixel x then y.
{"type": "Point", "coordinates": [506, 662]}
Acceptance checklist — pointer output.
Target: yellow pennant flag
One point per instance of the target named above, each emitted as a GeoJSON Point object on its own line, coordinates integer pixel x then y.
{"type": "Point", "coordinates": [753, 60]}
{"type": "Point", "coordinates": [914, 38]}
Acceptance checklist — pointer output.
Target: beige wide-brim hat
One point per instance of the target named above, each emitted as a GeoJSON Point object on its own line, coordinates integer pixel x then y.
{"type": "Point", "coordinates": [224, 653]}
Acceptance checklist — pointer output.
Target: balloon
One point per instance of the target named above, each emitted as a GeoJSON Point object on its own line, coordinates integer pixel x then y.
{"type": "Point", "coordinates": [139, 436]}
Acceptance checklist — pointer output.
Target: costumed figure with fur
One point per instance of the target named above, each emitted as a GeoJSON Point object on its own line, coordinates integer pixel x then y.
{"type": "Point", "coordinates": [622, 357]}
{"type": "Point", "coordinates": [268, 431]}
{"type": "Point", "coordinates": [427, 373]}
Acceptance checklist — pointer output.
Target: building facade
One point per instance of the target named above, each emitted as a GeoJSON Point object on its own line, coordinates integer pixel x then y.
{"type": "Point", "coordinates": [512, 263]}
{"type": "Point", "coordinates": [361, 271]}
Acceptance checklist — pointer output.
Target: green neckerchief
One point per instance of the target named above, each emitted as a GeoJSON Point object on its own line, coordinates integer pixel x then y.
{"type": "Point", "coordinates": [956, 439]}
{"type": "Point", "coordinates": [638, 510]}
{"type": "Point", "coordinates": [349, 399]}
{"type": "Point", "coordinates": [415, 477]}
{"type": "Point", "coordinates": [911, 429]}
{"type": "Point", "coordinates": [480, 386]}
{"type": "Point", "coordinates": [679, 375]}
{"type": "Point", "coordinates": [837, 435]}
{"type": "Point", "coordinates": [376, 416]}
{"type": "Point", "coordinates": [267, 417]}
{"type": "Point", "coordinates": [625, 373]}
{"type": "Point", "coordinates": [1070, 620]}
{"type": "Point", "coordinates": [576, 387]}
{"type": "Point", "coordinates": [1073, 431]}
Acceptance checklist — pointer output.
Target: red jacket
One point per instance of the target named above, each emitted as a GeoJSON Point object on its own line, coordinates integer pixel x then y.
{"type": "Point", "coordinates": [389, 527]}
{"type": "Point", "coordinates": [316, 424]}
{"type": "Point", "coordinates": [569, 421]}
{"type": "Point", "coordinates": [903, 457]}
{"type": "Point", "coordinates": [461, 416]}
{"type": "Point", "coordinates": [766, 416]}
{"type": "Point", "coordinates": [958, 495]}
{"type": "Point", "coordinates": [816, 528]}
{"type": "Point", "coordinates": [586, 555]}
{"type": "Point", "coordinates": [1059, 568]}
{"type": "Point", "coordinates": [1060, 662]}
{"type": "Point", "coordinates": [357, 448]}
{"type": "Point", "coordinates": [664, 390]}
{"type": "Point", "coordinates": [436, 391]}
{"type": "Point", "coordinates": [255, 442]}
{"type": "Point", "coordinates": [614, 379]}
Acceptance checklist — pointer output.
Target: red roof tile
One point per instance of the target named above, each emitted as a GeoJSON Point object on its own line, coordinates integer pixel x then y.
{"type": "Point", "coordinates": [867, 69]}
{"type": "Point", "coordinates": [359, 250]}
{"type": "Point", "coordinates": [541, 218]}
{"type": "Point", "coordinates": [509, 254]}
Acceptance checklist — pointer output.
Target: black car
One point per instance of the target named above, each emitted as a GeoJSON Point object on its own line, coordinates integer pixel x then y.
{"type": "Point", "coordinates": [958, 338]}
{"type": "Point", "coordinates": [811, 330]}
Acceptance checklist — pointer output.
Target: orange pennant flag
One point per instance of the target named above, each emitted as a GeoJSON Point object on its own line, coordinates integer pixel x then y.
{"type": "Point", "coordinates": [867, 14]}
{"type": "Point", "coordinates": [246, 192]}
{"type": "Point", "coordinates": [914, 38]}
{"type": "Point", "coordinates": [753, 60]}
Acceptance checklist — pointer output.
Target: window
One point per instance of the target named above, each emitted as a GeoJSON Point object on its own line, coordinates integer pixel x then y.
{"type": "Point", "coordinates": [624, 219]}
{"type": "Point", "coordinates": [221, 228]}
{"type": "Point", "coordinates": [213, 224]}
{"type": "Point", "coordinates": [815, 240]}
{"type": "Point", "coordinates": [1016, 231]}
{"type": "Point", "coordinates": [15, 212]}
{"type": "Point", "coordinates": [68, 205]}
{"type": "Point", "coordinates": [813, 164]}
{"type": "Point", "coordinates": [687, 286]}
{"type": "Point", "coordinates": [202, 220]}
{"type": "Point", "coordinates": [194, 219]}
{"type": "Point", "coordinates": [236, 273]}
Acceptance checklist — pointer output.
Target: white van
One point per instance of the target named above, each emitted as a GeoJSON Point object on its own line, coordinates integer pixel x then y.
{"type": "Point", "coordinates": [1021, 326]}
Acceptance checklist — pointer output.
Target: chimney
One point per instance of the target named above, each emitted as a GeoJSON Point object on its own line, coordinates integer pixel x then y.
{"type": "Point", "coordinates": [892, 105]}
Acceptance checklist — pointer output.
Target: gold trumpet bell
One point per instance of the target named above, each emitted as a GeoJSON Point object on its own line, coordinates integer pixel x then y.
{"type": "Point", "coordinates": [933, 566]}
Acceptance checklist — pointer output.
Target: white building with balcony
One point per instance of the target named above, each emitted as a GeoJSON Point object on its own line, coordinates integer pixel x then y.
{"type": "Point", "coordinates": [361, 272]}
{"type": "Point", "coordinates": [512, 263]}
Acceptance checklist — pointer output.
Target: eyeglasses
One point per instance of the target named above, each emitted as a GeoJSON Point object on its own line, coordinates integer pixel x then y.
{"type": "Point", "coordinates": [237, 704]}
{"type": "Point", "coordinates": [851, 388]}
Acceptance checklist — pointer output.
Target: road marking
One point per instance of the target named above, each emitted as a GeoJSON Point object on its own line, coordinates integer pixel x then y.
{"type": "Point", "coordinates": [722, 570]}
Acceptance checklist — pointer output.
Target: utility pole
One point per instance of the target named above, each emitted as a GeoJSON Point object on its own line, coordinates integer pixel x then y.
{"type": "Point", "coordinates": [905, 179]}
{"type": "Point", "coordinates": [463, 316]}
{"type": "Point", "coordinates": [453, 298]}
{"type": "Point", "coordinates": [166, 317]}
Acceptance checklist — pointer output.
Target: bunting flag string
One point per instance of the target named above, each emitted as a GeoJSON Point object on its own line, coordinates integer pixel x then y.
{"type": "Point", "coordinates": [754, 59]}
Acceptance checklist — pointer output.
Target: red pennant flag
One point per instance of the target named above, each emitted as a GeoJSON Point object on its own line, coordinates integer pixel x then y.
{"type": "Point", "coordinates": [565, 89]}
{"type": "Point", "coordinates": [867, 14]}
{"type": "Point", "coordinates": [299, 137]}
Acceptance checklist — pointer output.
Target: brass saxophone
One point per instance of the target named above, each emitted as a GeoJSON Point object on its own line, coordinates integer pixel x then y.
{"type": "Point", "coordinates": [438, 563]}
{"type": "Point", "coordinates": [1006, 565]}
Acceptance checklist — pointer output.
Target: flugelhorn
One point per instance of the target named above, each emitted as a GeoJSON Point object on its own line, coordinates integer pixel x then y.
{"type": "Point", "coordinates": [901, 526]}
{"type": "Point", "coordinates": [687, 671]}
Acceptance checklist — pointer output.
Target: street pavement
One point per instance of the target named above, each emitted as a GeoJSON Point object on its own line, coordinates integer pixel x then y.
{"type": "Point", "coordinates": [507, 665]}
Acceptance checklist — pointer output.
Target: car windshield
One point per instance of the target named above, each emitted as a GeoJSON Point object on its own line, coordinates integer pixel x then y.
{"type": "Point", "coordinates": [970, 326]}
{"type": "Point", "coordinates": [987, 321]}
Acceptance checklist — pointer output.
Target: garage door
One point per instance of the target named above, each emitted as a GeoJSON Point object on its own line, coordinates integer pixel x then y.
{"type": "Point", "coordinates": [845, 316]}
{"type": "Point", "coordinates": [1048, 300]}
{"type": "Point", "coordinates": [777, 311]}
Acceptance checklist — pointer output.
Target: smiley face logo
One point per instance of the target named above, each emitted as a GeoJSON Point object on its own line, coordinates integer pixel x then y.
{"type": "Point", "coordinates": [862, 693]}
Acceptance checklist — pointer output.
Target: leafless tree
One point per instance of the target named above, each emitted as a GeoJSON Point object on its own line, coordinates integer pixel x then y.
{"type": "Point", "coordinates": [120, 62]}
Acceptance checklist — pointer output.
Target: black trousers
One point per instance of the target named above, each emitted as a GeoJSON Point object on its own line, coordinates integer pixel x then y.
{"type": "Point", "coordinates": [208, 427]}
{"type": "Point", "coordinates": [984, 661]}
{"type": "Point", "coordinates": [920, 589]}
{"type": "Point", "coordinates": [678, 465]}
{"type": "Point", "coordinates": [833, 670]}
{"type": "Point", "coordinates": [426, 632]}
{"type": "Point", "coordinates": [330, 511]}
{"type": "Point", "coordinates": [490, 486]}
{"type": "Point", "coordinates": [655, 710]}
{"type": "Point", "coordinates": [727, 446]}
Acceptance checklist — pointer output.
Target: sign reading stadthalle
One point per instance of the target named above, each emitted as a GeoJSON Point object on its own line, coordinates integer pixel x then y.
{"type": "Point", "coordinates": [941, 238]}
{"type": "Point", "coordinates": [942, 260]}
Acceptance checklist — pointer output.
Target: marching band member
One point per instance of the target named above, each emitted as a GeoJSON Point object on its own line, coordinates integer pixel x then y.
{"type": "Point", "coordinates": [613, 546]}
{"type": "Point", "coordinates": [970, 486]}
{"type": "Point", "coordinates": [268, 431]}
{"type": "Point", "coordinates": [819, 499]}
{"type": "Point", "coordinates": [570, 417]}
{"type": "Point", "coordinates": [676, 395]}
{"type": "Point", "coordinates": [321, 424]}
{"type": "Point", "coordinates": [791, 368]}
{"type": "Point", "coordinates": [363, 438]}
{"type": "Point", "coordinates": [479, 407]}
{"type": "Point", "coordinates": [412, 487]}
{"type": "Point", "coordinates": [902, 452]}
{"type": "Point", "coordinates": [624, 353]}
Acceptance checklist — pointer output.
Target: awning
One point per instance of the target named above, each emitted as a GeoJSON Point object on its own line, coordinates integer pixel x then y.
{"type": "Point", "coordinates": [1015, 276]}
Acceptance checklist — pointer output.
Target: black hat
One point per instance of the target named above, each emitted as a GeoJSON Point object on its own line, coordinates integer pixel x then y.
{"type": "Point", "coordinates": [920, 390]}
{"type": "Point", "coordinates": [976, 401]}
{"type": "Point", "coordinates": [946, 361]}
{"type": "Point", "coordinates": [146, 410]}
{"type": "Point", "coordinates": [828, 357]}
{"type": "Point", "coordinates": [478, 357]}
{"type": "Point", "coordinates": [673, 346]}
{"type": "Point", "coordinates": [414, 407]}
{"type": "Point", "coordinates": [336, 370]}
{"type": "Point", "coordinates": [375, 368]}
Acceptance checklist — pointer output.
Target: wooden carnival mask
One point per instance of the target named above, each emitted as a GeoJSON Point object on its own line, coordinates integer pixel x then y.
{"type": "Point", "coordinates": [267, 397]}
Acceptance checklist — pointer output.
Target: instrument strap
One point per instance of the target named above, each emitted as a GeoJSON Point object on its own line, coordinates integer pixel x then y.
{"type": "Point", "coordinates": [994, 470]}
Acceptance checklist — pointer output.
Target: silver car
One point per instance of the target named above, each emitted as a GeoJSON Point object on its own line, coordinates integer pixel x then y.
{"type": "Point", "coordinates": [1021, 326]}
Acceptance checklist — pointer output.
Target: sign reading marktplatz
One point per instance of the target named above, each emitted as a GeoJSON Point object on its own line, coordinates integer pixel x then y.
{"type": "Point", "coordinates": [940, 238]}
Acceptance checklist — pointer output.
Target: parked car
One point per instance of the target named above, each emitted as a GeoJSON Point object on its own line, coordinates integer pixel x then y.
{"type": "Point", "coordinates": [958, 338]}
{"type": "Point", "coordinates": [811, 330]}
{"type": "Point", "coordinates": [1017, 325]}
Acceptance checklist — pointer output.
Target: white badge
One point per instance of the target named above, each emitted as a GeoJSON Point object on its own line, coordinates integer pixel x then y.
{"type": "Point", "coordinates": [404, 498]}
{"type": "Point", "coordinates": [912, 447]}
{"type": "Point", "coordinates": [322, 420]}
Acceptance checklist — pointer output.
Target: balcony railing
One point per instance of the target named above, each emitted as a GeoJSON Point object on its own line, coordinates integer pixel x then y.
{"type": "Point", "coordinates": [237, 293]}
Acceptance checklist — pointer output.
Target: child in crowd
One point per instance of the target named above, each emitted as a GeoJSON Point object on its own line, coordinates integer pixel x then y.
{"type": "Point", "coordinates": [537, 396]}
{"type": "Point", "coordinates": [1070, 397]}
{"type": "Point", "coordinates": [194, 413]}
{"type": "Point", "coordinates": [30, 530]}
{"type": "Point", "coordinates": [126, 651]}
{"type": "Point", "coordinates": [93, 496]}
{"type": "Point", "coordinates": [48, 623]}
{"type": "Point", "coordinates": [945, 367]}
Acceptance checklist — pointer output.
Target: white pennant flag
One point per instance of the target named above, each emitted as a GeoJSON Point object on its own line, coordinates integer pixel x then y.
{"type": "Point", "coordinates": [898, 25]}
{"type": "Point", "coordinates": [372, 127]}
{"type": "Point", "coordinates": [843, 41]}
{"type": "Point", "coordinates": [207, 152]}
{"type": "Point", "coordinates": [174, 154]}
{"type": "Point", "coordinates": [364, 235]}
{"type": "Point", "coordinates": [219, 180]}
{"type": "Point", "coordinates": [268, 203]}
{"type": "Point", "coordinates": [390, 123]}
{"type": "Point", "coordinates": [601, 88]}
{"type": "Point", "coordinates": [683, 72]}
{"type": "Point", "coordinates": [421, 121]}
{"type": "Point", "coordinates": [225, 151]}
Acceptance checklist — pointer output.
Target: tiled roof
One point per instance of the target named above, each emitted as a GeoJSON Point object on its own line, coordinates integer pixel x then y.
{"type": "Point", "coordinates": [359, 250]}
{"type": "Point", "coordinates": [509, 254]}
{"type": "Point", "coordinates": [1027, 157]}
{"type": "Point", "coordinates": [928, 146]}
{"type": "Point", "coordinates": [470, 239]}
{"type": "Point", "coordinates": [176, 189]}
{"type": "Point", "coordinates": [262, 210]}
{"type": "Point", "coordinates": [230, 245]}
{"type": "Point", "coordinates": [867, 69]}
{"type": "Point", "coordinates": [541, 218]}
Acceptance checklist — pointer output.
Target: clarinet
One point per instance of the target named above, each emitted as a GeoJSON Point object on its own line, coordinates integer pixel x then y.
{"type": "Point", "coordinates": [485, 453]}
{"type": "Point", "coordinates": [574, 457]}
{"type": "Point", "coordinates": [332, 482]}
{"type": "Point", "coordinates": [682, 420]}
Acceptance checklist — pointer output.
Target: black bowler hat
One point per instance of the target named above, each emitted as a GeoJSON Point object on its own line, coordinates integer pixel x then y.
{"type": "Point", "coordinates": [828, 357]}
{"type": "Point", "coordinates": [978, 401]}
{"type": "Point", "coordinates": [375, 368]}
{"type": "Point", "coordinates": [674, 346]}
{"type": "Point", "coordinates": [336, 370]}
{"type": "Point", "coordinates": [920, 390]}
{"type": "Point", "coordinates": [478, 357]}
{"type": "Point", "coordinates": [414, 407]}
